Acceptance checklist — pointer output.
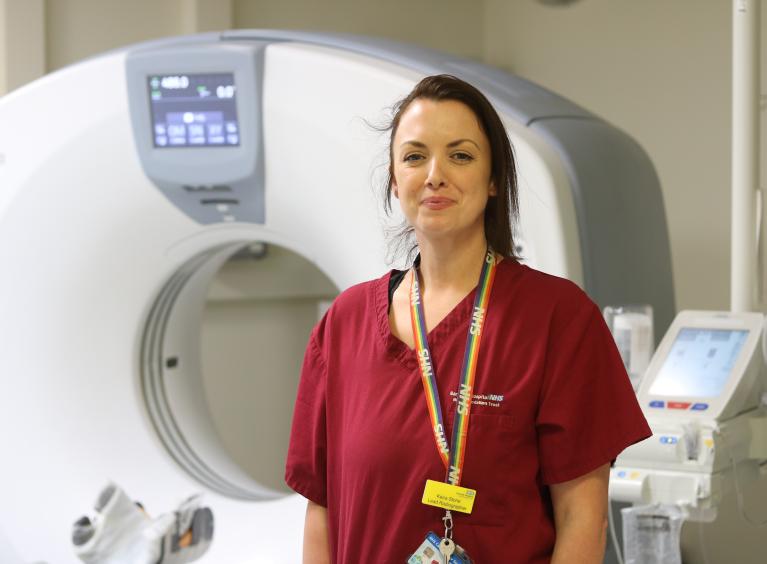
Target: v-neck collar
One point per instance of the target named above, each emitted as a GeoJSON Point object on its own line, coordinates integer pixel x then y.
{"type": "Point", "coordinates": [397, 348]}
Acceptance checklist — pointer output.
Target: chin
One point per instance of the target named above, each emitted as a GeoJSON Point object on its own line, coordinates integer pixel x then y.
{"type": "Point", "coordinates": [438, 231]}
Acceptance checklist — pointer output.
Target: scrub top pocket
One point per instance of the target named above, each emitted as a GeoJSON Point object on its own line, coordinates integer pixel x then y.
{"type": "Point", "coordinates": [487, 466]}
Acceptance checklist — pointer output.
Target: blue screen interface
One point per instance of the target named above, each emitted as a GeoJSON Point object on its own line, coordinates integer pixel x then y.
{"type": "Point", "coordinates": [194, 110]}
{"type": "Point", "coordinates": [699, 363]}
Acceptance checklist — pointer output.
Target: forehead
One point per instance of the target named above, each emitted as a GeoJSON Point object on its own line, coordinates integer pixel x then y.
{"type": "Point", "coordinates": [446, 120]}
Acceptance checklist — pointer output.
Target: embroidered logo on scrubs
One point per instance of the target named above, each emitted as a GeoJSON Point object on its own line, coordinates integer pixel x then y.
{"type": "Point", "coordinates": [489, 400]}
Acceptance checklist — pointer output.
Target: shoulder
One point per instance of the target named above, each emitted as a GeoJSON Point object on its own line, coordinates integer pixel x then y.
{"type": "Point", "coordinates": [359, 297]}
{"type": "Point", "coordinates": [541, 288]}
{"type": "Point", "coordinates": [353, 307]}
{"type": "Point", "coordinates": [540, 303]}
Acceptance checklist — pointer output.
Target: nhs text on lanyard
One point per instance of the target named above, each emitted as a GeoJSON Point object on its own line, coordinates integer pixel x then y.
{"type": "Point", "coordinates": [448, 494]}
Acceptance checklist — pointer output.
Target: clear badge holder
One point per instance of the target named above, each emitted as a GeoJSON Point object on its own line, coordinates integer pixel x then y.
{"type": "Point", "coordinates": [651, 534]}
{"type": "Point", "coordinates": [632, 329]}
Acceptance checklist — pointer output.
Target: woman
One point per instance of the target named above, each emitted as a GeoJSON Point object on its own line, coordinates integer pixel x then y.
{"type": "Point", "coordinates": [541, 395]}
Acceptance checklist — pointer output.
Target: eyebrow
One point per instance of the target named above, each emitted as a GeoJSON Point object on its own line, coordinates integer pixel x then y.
{"type": "Point", "coordinates": [450, 145]}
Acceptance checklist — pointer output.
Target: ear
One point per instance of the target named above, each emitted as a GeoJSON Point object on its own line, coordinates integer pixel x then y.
{"type": "Point", "coordinates": [394, 188]}
{"type": "Point", "coordinates": [491, 189]}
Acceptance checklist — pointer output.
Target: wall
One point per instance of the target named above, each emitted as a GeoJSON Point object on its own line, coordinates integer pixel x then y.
{"type": "Point", "coordinates": [661, 71]}
{"type": "Point", "coordinates": [39, 36]}
{"type": "Point", "coordinates": [256, 323]}
{"type": "Point", "coordinates": [22, 42]}
{"type": "Point", "coordinates": [77, 29]}
{"type": "Point", "coordinates": [80, 28]}
{"type": "Point", "coordinates": [450, 25]}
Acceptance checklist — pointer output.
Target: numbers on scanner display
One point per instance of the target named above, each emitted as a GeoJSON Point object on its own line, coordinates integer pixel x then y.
{"type": "Point", "coordinates": [225, 91]}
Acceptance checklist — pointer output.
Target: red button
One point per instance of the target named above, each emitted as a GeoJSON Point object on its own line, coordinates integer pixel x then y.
{"type": "Point", "coordinates": [679, 404]}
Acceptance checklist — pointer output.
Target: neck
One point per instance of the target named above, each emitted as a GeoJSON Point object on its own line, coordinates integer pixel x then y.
{"type": "Point", "coordinates": [452, 264]}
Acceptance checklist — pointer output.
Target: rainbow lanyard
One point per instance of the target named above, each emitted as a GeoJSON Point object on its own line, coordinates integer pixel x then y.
{"type": "Point", "coordinates": [452, 455]}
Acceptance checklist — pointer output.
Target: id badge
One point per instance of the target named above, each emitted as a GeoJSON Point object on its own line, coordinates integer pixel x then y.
{"type": "Point", "coordinates": [448, 496]}
{"type": "Point", "coordinates": [428, 553]}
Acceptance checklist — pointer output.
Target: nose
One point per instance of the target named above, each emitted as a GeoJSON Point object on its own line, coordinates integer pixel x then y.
{"type": "Point", "coordinates": [435, 178]}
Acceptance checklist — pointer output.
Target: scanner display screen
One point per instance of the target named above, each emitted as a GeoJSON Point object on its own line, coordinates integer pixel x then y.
{"type": "Point", "coordinates": [699, 363]}
{"type": "Point", "coordinates": [194, 110]}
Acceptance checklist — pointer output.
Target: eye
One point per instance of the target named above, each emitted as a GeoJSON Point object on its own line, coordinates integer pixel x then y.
{"type": "Point", "coordinates": [412, 157]}
{"type": "Point", "coordinates": [462, 156]}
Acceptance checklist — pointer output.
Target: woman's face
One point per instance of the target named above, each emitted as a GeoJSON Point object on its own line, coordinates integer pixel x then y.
{"type": "Point", "coordinates": [441, 168]}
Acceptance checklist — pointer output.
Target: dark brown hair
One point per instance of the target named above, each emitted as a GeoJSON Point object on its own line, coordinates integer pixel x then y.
{"type": "Point", "coordinates": [502, 209]}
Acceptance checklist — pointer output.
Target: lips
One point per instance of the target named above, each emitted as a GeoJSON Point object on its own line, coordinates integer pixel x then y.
{"type": "Point", "coordinates": [436, 203]}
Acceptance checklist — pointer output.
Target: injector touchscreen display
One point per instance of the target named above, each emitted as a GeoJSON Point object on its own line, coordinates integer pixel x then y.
{"type": "Point", "coordinates": [699, 362]}
{"type": "Point", "coordinates": [194, 110]}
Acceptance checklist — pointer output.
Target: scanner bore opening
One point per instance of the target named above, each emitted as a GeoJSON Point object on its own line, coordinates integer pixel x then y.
{"type": "Point", "coordinates": [220, 360]}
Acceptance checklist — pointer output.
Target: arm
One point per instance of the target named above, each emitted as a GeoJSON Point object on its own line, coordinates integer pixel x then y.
{"type": "Point", "coordinates": [580, 518]}
{"type": "Point", "coordinates": [316, 546]}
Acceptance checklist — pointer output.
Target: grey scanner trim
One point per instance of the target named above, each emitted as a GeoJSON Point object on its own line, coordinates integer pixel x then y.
{"type": "Point", "coordinates": [621, 216]}
{"type": "Point", "coordinates": [519, 98]}
{"type": "Point", "coordinates": [625, 245]}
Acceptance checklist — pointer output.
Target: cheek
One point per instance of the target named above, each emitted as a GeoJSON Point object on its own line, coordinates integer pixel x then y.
{"type": "Point", "coordinates": [404, 183]}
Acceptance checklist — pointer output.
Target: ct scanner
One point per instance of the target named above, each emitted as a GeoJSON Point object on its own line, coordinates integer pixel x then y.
{"type": "Point", "coordinates": [139, 187]}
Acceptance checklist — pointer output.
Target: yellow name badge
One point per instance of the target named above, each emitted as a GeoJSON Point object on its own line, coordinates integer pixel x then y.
{"type": "Point", "coordinates": [448, 496]}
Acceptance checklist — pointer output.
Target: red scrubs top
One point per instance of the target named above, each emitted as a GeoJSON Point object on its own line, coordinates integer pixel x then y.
{"type": "Point", "coordinates": [552, 402]}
